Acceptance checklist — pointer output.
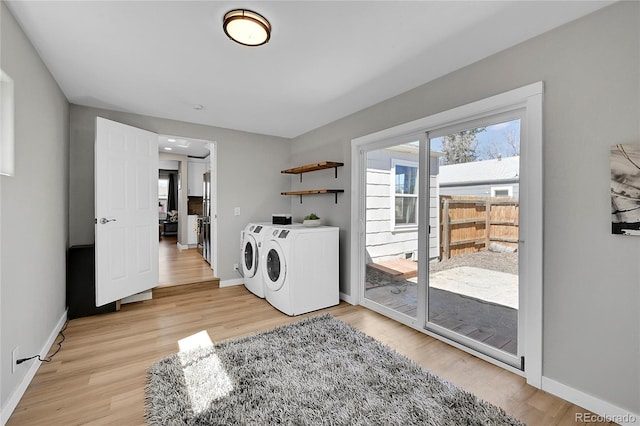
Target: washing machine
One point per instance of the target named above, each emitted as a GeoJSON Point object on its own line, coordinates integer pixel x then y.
{"type": "Point", "coordinates": [300, 268]}
{"type": "Point", "coordinates": [252, 239]}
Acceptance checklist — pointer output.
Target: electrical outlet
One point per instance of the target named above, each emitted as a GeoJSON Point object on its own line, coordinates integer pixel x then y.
{"type": "Point", "coordinates": [236, 211]}
{"type": "Point", "coordinates": [14, 358]}
{"type": "Point", "coordinates": [235, 266]}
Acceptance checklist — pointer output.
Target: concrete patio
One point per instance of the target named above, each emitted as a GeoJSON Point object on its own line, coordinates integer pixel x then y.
{"type": "Point", "coordinates": [478, 303]}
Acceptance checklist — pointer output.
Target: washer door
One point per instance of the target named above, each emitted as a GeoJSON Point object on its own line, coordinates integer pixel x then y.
{"type": "Point", "coordinates": [274, 266]}
{"type": "Point", "coordinates": [249, 256]}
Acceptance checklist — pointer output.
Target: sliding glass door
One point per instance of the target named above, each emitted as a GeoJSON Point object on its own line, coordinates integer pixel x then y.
{"type": "Point", "coordinates": [392, 181]}
{"type": "Point", "coordinates": [441, 233]}
{"type": "Point", "coordinates": [447, 228]}
{"type": "Point", "coordinates": [473, 292]}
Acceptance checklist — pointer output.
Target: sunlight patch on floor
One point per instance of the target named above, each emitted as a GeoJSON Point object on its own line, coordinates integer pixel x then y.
{"type": "Point", "coordinates": [198, 340]}
{"type": "Point", "coordinates": [204, 374]}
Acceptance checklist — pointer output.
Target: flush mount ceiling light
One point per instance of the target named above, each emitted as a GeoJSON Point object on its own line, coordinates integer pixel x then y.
{"type": "Point", "coordinates": [246, 27]}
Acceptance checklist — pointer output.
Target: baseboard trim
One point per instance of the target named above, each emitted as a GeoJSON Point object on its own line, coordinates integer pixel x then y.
{"type": "Point", "coordinates": [186, 246]}
{"type": "Point", "coordinates": [232, 282]}
{"type": "Point", "coordinates": [12, 403]}
{"type": "Point", "coordinates": [604, 410]}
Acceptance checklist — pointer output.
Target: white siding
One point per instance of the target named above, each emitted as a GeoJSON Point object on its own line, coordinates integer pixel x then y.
{"type": "Point", "coordinates": [382, 241]}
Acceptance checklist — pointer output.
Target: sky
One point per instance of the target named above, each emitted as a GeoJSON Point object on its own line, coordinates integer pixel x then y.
{"type": "Point", "coordinates": [494, 138]}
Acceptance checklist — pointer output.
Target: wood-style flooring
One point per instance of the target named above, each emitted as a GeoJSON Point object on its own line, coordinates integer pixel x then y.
{"type": "Point", "coordinates": [98, 377]}
{"type": "Point", "coordinates": [178, 267]}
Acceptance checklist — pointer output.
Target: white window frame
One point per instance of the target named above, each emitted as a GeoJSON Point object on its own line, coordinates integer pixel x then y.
{"type": "Point", "coordinates": [495, 189]}
{"type": "Point", "coordinates": [7, 139]}
{"type": "Point", "coordinates": [528, 98]}
{"type": "Point", "coordinates": [163, 198]}
{"type": "Point", "coordinates": [402, 226]}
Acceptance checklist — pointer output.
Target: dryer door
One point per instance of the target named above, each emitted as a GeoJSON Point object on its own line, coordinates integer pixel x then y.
{"type": "Point", "coordinates": [274, 267]}
{"type": "Point", "coordinates": [249, 255]}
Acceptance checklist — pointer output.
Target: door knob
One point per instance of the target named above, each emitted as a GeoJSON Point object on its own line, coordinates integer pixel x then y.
{"type": "Point", "coordinates": [104, 220]}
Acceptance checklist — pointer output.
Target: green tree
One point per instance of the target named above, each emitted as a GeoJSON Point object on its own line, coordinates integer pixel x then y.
{"type": "Point", "coordinates": [461, 147]}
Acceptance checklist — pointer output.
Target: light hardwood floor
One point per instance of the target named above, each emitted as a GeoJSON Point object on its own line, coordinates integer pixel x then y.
{"type": "Point", "coordinates": [99, 375]}
{"type": "Point", "coordinates": [178, 267]}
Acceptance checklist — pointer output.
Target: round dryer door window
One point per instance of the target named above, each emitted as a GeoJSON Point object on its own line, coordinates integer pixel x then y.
{"type": "Point", "coordinates": [250, 257]}
{"type": "Point", "coordinates": [275, 268]}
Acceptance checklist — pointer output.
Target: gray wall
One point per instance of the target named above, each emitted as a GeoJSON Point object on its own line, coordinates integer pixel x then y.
{"type": "Point", "coordinates": [33, 204]}
{"type": "Point", "coordinates": [248, 176]}
{"type": "Point", "coordinates": [591, 278]}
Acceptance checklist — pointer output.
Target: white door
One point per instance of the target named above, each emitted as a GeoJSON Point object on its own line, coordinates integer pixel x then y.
{"type": "Point", "coordinates": [126, 206]}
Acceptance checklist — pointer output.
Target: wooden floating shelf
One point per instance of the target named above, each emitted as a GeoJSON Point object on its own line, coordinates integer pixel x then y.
{"type": "Point", "coordinates": [313, 167]}
{"type": "Point", "coordinates": [314, 192]}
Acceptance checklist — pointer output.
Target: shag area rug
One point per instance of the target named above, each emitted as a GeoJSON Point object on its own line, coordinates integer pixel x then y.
{"type": "Point", "coordinates": [319, 370]}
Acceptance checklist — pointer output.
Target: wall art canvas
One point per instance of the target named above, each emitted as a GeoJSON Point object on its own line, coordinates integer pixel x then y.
{"type": "Point", "coordinates": [625, 189]}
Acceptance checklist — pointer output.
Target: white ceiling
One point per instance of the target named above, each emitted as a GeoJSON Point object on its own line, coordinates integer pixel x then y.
{"type": "Point", "coordinates": [179, 145]}
{"type": "Point", "coordinates": [325, 60]}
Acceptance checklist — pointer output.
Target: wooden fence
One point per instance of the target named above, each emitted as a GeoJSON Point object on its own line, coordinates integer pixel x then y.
{"type": "Point", "coordinates": [470, 224]}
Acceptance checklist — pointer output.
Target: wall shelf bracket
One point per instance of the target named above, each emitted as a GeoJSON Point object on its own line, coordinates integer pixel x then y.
{"type": "Point", "coordinates": [315, 192]}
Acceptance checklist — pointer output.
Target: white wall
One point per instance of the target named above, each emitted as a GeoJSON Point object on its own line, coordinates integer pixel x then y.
{"type": "Point", "coordinates": [34, 207]}
{"type": "Point", "coordinates": [591, 278]}
{"type": "Point", "coordinates": [248, 176]}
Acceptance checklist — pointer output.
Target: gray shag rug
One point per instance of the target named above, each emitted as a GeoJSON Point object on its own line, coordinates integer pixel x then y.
{"type": "Point", "coordinates": [319, 370]}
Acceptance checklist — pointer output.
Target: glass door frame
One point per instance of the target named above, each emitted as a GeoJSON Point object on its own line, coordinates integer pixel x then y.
{"type": "Point", "coordinates": [368, 303]}
{"type": "Point", "coordinates": [498, 354]}
{"type": "Point", "coordinates": [530, 99]}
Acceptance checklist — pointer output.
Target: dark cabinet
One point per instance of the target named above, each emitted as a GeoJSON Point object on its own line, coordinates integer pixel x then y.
{"type": "Point", "coordinates": [81, 283]}
{"type": "Point", "coordinates": [170, 228]}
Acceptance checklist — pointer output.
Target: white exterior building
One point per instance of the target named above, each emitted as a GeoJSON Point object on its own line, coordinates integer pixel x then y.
{"type": "Point", "coordinates": [488, 178]}
{"type": "Point", "coordinates": [391, 218]}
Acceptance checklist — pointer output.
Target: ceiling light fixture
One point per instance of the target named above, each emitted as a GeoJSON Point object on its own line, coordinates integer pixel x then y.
{"type": "Point", "coordinates": [246, 27]}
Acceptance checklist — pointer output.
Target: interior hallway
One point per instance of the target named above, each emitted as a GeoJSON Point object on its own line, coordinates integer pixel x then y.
{"type": "Point", "coordinates": [177, 267]}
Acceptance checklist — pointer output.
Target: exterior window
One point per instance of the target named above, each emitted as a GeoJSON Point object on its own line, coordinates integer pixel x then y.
{"type": "Point", "coordinates": [405, 200]}
{"type": "Point", "coordinates": [7, 142]}
{"type": "Point", "coordinates": [502, 191]}
{"type": "Point", "coordinates": [163, 197]}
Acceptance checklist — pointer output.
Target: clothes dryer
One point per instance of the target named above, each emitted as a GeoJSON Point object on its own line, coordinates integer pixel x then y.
{"type": "Point", "coordinates": [300, 268]}
{"type": "Point", "coordinates": [252, 239]}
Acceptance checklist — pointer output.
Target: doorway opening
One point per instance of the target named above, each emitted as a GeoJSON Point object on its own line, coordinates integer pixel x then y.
{"type": "Point", "coordinates": [449, 244]}
{"type": "Point", "coordinates": [186, 211]}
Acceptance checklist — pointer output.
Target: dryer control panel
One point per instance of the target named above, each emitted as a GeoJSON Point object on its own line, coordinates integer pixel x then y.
{"type": "Point", "coordinates": [280, 233]}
